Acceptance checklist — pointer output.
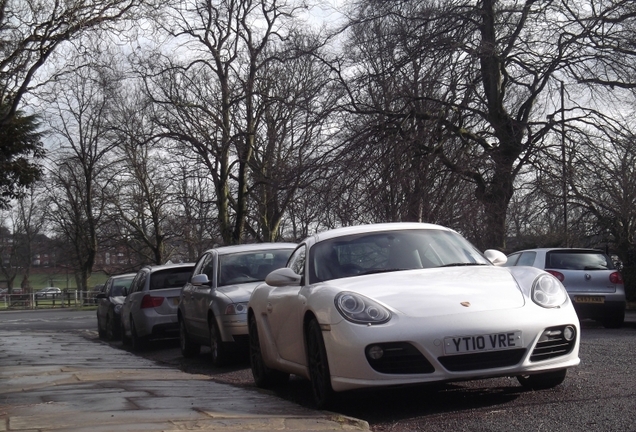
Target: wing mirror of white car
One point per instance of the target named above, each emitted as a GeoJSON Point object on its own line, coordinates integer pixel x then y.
{"type": "Point", "coordinates": [283, 277]}
{"type": "Point", "coordinates": [496, 257]}
{"type": "Point", "coordinates": [200, 279]}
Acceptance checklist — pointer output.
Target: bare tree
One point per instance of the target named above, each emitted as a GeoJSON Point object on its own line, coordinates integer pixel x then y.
{"type": "Point", "coordinates": [210, 102]}
{"type": "Point", "coordinates": [80, 172]}
{"type": "Point", "coordinates": [487, 76]}
{"type": "Point", "coordinates": [602, 185]}
{"type": "Point", "coordinates": [31, 33]}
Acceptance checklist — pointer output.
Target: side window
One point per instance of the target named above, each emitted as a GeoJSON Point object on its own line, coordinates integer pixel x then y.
{"type": "Point", "coordinates": [139, 281]}
{"type": "Point", "coordinates": [297, 260]}
{"type": "Point", "coordinates": [107, 286]}
{"type": "Point", "coordinates": [204, 266]}
{"type": "Point", "coordinates": [527, 259]}
{"type": "Point", "coordinates": [133, 284]}
{"type": "Point", "coordinates": [512, 260]}
{"type": "Point", "coordinates": [208, 266]}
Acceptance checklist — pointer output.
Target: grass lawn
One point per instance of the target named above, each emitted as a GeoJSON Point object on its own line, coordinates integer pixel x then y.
{"type": "Point", "coordinates": [60, 280]}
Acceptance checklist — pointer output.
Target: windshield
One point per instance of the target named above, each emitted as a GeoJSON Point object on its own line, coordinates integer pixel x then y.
{"type": "Point", "coordinates": [377, 252]}
{"type": "Point", "coordinates": [250, 266]}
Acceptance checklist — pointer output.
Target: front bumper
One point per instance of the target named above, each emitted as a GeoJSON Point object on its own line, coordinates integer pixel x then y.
{"type": "Point", "coordinates": [346, 343]}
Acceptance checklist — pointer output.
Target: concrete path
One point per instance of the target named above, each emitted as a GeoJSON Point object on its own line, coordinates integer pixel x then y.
{"type": "Point", "coordinates": [63, 382]}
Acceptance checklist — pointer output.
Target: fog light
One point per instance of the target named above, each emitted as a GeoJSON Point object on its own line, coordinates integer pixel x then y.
{"type": "Point", "coordinates": [568, 333]}
{"type": "Point", "coordinates": [375, 352]}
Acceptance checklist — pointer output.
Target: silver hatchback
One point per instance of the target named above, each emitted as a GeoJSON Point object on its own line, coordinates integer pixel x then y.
{"type": "Point", "coordinates": [150, 308]}
{"type": "Point", "coordinates": [592, 281]}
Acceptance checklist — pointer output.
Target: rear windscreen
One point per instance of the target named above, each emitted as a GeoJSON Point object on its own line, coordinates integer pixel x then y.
{"type": "Point", "coordinates": [170, 278]}
{"type": "Point", "coordinates": [584, 260]}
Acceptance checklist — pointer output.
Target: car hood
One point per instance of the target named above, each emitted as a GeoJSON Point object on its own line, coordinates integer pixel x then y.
{"type": "Point", "coordinates": [239, 292]}
{"type": "Point", "coordinates": [440, 291]}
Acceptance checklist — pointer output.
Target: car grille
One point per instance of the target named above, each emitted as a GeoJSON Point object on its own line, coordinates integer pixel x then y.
{"type": "Point", "coordinates": [552, 344]}
{"type": "Point", "coordinates": [399, 358]}
{"type": "Point", "coordinates": [482, 360]}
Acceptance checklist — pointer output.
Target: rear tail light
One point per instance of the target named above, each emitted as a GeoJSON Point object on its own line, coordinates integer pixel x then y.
{"type": "Point", "coordinates": [616, 278]}
{"type": "Point", "coordinates": [557, 275]}
{"type": "Point", "coordinates": [151, 302]}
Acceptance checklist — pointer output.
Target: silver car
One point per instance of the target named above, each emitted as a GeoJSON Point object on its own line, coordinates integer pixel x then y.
{"type": "Point", "coordinates": [213, 305]}
{"type": "Point", "coordinates": [150, 308]}
{"type": "Point", "coordinates": [592, 281]}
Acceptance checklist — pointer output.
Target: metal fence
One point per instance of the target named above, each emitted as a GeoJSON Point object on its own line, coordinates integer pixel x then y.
{"type": "Point", "coordinates": [68, 298]}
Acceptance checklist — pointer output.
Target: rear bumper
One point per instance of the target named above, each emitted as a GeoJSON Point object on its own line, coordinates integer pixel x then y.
{"type": "Point", "coordinates": [153, 325]}
{"type": "Point", "coordinates": [599, 310]}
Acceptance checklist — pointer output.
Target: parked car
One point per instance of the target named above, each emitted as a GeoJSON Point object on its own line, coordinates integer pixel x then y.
{"type": "Point", "coordinates": [109, 304]}
{"type": "Point", "coordinates": [590, 277]}
{"type": "Point", "coordinates": [407, 303]}
{"type": "Point", "coordinates": [213, 305]}
{"type": "Point", "coordinates": [150, 307]}
{"type": "Point", "coordinates": [48, 293]}
{"type": "Point", "coordinates": [4, 293]}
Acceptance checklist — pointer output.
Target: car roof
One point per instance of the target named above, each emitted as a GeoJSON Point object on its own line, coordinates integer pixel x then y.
{"type": "Point", "coordinates": [558, 249]}
{"type": "Point", "coordinates": [368, 228]}
{"type": "Point", "coordinates": [222, 250]}
{"type": "Point", "coordinates": [156, 267]}
{"type": "Point", "coordinates": [124, 275]}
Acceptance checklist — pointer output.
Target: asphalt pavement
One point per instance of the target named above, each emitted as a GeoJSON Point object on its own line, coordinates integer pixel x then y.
{"type": "Point", "coordinates": [52, 381]}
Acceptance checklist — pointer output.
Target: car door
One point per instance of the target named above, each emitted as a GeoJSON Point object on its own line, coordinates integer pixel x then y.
{"type": "Point", "coordinates": [194, 316]}
{"type": "Point", "coordinates": [285, 307]}
{"type": "Point", "coordinates": [104, 303]}
{"type": "Point", "coordinates": [133, 299]}
{"type": "Point", "coordinates": [202, 295]}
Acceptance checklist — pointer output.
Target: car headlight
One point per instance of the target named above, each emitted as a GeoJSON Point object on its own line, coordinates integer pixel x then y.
{"type": "Point", "coordinates": [236, 309]}
{"type": "Point", "coordinates": [118, 308]}
{"type": "Point", "coordinates": [548, 292]}
{"type": "Point", "coordinates": [360, 309]}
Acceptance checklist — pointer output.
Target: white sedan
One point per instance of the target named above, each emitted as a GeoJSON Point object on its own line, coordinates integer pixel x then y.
{"type": "Point", "coordinates": [407, 303]}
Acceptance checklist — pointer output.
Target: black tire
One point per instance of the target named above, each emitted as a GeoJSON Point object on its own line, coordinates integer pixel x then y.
{"type": "Point", "coordinates": [124, 338]}
{"type": "Point", "coordinates": [188, 348]}
{"type": "Point", "coordinates": [264, 377]}
{"type": "Point", "coordinates": [138, 343]}
{"type": "Point", "coordinates": [100, 330]}
{"type": "Point", "coordinates": [318, 365]}
{"type": "Point", "coordinates": [219, 350]}
{"type": "Point", "coordinates": [112, 327]}
{"type": "Point", "coordinates": [542, 381]}
{"type": "Point", "coordinates": [614, 320]}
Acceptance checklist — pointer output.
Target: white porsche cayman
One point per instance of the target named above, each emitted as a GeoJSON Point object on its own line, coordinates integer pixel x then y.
{"type": "Point", "coordinates": [406, 303]}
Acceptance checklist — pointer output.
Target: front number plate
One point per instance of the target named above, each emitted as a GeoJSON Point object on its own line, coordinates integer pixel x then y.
{"type": "Point", "coordinates": [479, 343]}
{"type": "Point", "coordinates": [589, 299]}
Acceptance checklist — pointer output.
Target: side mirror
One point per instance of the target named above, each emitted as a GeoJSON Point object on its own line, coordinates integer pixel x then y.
{"type": "Point", "coordinates": [100, 295]}
{"type": "Point", "coordinates": [496, 257]}
{"type": "Point", "coordinates": [200, 279]}
{"type": "Point", "coordinates": [283, 277]}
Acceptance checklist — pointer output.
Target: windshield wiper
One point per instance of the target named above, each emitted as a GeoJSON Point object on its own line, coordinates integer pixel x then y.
{"type": "Point", "coordinates": [462, 264]}
{"type": "Point", "coordinates": [373, 271]}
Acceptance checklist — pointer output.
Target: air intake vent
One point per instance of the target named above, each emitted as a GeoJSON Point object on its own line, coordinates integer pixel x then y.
{"type": "Point", "coordinates": [554, 342]}
{"type": "Point", "coordinates": [483, 360]}
{"type": "Point", "coordinates": [397, 358]}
